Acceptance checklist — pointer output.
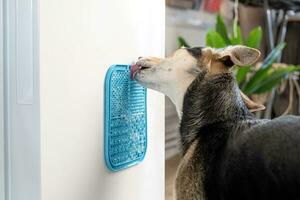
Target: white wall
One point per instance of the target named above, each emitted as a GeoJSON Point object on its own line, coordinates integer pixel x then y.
{"type": "Point", "coordinates": [79, 39]}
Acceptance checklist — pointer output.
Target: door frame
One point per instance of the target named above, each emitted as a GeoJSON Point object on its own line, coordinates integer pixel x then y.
{"type": "Point", "coordinates": [2, 152]}
{"type": "Point", "coordinates": [19, 101]}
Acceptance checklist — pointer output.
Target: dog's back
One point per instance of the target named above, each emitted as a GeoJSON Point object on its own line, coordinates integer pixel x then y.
{"type": "Point", "coordinates": [262, 162]}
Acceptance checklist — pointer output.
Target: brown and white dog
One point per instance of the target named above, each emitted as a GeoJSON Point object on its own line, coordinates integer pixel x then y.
{"type": "Point", "coordinates": [227, 153]}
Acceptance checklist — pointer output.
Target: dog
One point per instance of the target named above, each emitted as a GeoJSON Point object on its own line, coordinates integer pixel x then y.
{"type": "Point", "coordinates": [227, 154]}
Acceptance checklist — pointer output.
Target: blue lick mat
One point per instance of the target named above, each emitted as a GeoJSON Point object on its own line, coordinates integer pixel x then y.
{"type": "Point", "coordinates": [125, 120]}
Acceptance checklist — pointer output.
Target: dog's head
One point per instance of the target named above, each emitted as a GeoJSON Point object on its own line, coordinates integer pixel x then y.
{"type": "Point", "coordinates": [173, 75]}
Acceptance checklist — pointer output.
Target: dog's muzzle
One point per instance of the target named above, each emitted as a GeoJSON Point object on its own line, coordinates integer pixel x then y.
{"type": "Point", "coordinates": [135, 68]}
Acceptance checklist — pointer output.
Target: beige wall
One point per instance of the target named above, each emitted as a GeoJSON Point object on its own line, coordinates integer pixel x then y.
{"type": "Point", "coordinates": [79, 39]}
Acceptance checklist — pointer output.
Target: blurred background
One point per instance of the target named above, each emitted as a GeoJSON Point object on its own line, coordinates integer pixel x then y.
{"type": "Point", "coordinates": [273, 26]}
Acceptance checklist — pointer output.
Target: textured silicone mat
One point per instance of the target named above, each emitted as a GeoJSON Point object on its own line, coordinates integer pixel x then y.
{"type": "Point", "coordinates": [125, 134]}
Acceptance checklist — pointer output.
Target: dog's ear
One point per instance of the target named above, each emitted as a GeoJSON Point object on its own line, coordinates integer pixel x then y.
{"type": "Point", "coordinates": [251, 105]}
{"type": "Point", "coordinates": [238, 55]}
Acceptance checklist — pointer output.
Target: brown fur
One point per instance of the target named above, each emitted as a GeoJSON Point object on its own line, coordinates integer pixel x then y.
{"type": "Point", "coordinates": [211, 62]}
{"type": "Point", "coordinates": [189, 179]}
{"type": "Point", "coordinates": [218, 67]}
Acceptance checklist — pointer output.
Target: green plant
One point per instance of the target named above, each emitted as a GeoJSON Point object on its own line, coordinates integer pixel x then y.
{"type": "Point", "coordinates": [260, 81]}
{"type": "Point", "coordinates": [181, 42]}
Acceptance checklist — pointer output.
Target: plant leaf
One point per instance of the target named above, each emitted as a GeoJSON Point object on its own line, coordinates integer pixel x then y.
{"type": "Point", "coordinates": [262, 73]}
{"type": "Point", "coordinates": [221, 29]}
{"type": "Point", "coordinates": [273, 55]}
{"type": "Point", "coordinates": [242, 73]}
{"type": "Point", "coordinates": [181, 42]}
{"type": "Point", "coordinates": [237, 37]}
{"type": "Point", "coordinates": [214, 39]}
{"type": "Point", "coordinates": [254, 38]}
{"type": "Point", "coordinates": [259, 76]}
{"type": "Point", "coordinates": [274, 79]}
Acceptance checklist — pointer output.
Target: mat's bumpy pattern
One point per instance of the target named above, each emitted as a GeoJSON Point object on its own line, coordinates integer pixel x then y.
{"type": "Point", "coordinates": [125, 119]}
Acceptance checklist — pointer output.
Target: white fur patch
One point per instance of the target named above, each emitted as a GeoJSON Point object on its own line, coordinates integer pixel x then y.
{"type": "Point", "coordinates": [170, 76]}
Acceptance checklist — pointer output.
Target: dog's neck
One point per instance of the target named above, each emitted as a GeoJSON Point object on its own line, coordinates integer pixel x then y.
{"type": "Point", "coordinates": [177, 97]}
{"type": "Point", "coordinates": [177, 93]}
{"type": "Point", "coordinates": [211, 100]}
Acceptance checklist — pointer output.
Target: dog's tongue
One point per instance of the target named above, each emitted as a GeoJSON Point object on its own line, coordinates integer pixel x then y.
{"type": "Point", "coordinates": [133, 69]}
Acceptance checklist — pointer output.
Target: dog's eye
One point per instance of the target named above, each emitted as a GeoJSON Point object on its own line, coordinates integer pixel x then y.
{"type": "Point", "coordinates": [193, 71]}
